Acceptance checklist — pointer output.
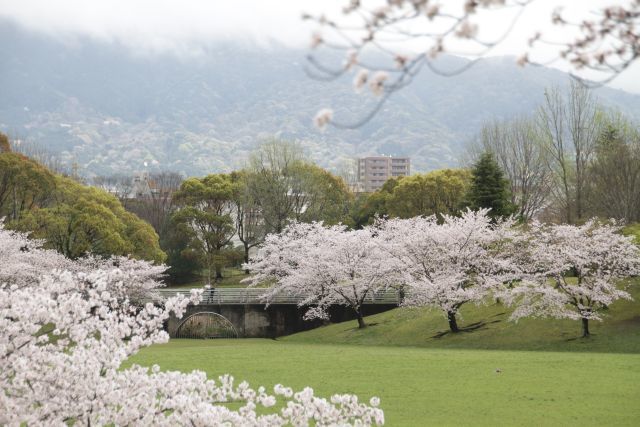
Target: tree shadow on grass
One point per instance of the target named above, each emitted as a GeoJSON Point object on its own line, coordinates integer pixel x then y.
{"type": "Point", "coordinates": [469, 328]}
{"type": "Point", "coordinates": [363, 329]}
{"type": "Point", "coordinates": [581, 338]}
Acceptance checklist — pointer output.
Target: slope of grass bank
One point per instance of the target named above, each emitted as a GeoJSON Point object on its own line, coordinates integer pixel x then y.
{"type": "Point", "coordinates": [425, 387]}
{"type": "Point", "coordinates": [488, 327]}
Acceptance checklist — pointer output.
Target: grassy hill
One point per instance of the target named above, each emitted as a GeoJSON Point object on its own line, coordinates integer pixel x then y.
{"type": "Point", "coordinates": [488, 327]}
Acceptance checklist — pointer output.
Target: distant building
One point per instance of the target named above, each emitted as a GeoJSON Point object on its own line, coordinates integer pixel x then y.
{"type": "Point", "coordinates": [374, 171]}
{"type": "Point", "coordinates": [141, 186]}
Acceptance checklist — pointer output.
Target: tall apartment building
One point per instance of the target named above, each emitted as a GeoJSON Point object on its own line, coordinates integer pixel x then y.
{"type": "Point", "coordinates": [374, 171]}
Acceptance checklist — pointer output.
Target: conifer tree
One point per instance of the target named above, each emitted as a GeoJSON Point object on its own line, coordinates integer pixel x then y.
{"type": "Point", "coordinates": [489, 188]}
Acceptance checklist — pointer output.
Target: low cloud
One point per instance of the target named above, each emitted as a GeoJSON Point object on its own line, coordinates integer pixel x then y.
{"type": "Point", "coordinates": [163, 25]}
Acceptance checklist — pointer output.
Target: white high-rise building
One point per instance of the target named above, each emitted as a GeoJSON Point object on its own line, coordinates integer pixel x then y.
{"type": "Point", "coordinates": [374, 171]}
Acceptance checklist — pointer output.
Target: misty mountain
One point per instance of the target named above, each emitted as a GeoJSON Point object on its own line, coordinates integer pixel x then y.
{"type": "Point", "coordinates": [112, 110]}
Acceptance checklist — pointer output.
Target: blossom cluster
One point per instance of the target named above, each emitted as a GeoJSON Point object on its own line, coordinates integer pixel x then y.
{"type": "Point", "coordinates": [323, 266]}
{"type": "Point", "coordinates": [67, 327]}
{"type": "Point", "coordinates": [561, 271]}
{"type": "Point", "coordinates": [573, 271]}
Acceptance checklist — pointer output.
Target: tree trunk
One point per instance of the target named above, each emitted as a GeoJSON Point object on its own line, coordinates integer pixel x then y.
{"type": "Point", "coordinates": [361, 323]}
{"type": "Point", "coordinates": [585, 328]}
{"type": "Point", "coordinates": [218, 273]}
{"type": "Point", "coordinates": [453, 323]}
{"type": "Point", "coordinates": [401, 295]}
{"type": "Point", "coordinates": [15, 204]}
{"type": "Point", "coordinates": [246, 258]}
{"type": "Point", "coordinates": [360, 317]}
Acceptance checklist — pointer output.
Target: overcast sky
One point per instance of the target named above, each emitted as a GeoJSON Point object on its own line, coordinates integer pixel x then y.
{"type": "Point", "coordinates": [183, 26]}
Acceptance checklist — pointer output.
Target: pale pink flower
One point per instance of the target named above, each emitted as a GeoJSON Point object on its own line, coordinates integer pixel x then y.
{"type": "Point", "coordinates": [376, 84]}
{"type": "Point", "coordinates": [360, 79]}
{"type": "Point", "coordinates": [323, 118]}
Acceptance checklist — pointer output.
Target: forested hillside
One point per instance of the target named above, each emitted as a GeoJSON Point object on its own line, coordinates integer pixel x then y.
{"type": "Point", "coordinates": [110, 111]}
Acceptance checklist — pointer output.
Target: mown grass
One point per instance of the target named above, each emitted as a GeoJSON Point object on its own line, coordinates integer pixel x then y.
{"type": "Point", "coordinates": [423, 387]}
{"type": "Point", "coordinates": [533, 373]}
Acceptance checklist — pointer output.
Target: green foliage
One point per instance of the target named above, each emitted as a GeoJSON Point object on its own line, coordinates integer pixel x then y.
{"type": "Point", "coordinates": [489, 188]}
{"type": "Point", "coordinates": [24, 185]}
{"type": "Point", "coordinates": [143, 238]}
{"type": "Point", "coordinates": [206, 205]}
{"type": "Point", "coordinates": [183, 262]}
{"type": "Point", "coordinates": [84, 220]}
{"type": "Point", "coordinates": [367, 206]}
{"type": "Point", "coordinates": [233, 256]}
{"type": "Point", "coordinates": [438, 192]}
{"type": "Point", "coordinates": [286, 186]}
{"type": "Point", "coordinates": [72, 218]}
{"type": "Point", "coordinates": [329, 199]}
{"type": "Point", "coordinates": [5, 147]}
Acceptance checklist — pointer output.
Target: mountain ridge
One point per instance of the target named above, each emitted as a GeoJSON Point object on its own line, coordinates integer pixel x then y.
{"type": "Point", "coordinates": [99, 106]}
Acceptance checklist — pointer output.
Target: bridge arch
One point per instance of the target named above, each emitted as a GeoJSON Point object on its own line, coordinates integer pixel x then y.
{"type": "Point", "coordinates": [206, 324]}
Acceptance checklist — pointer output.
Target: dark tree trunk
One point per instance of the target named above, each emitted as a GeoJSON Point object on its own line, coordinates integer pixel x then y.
{"type": "Point", "coordinates": [360, 317]}
{"type": "Point", "coordinates": [218, 273]}
{"type": "Point", "coordinates": [401, 295]}
{"type": "Point", "coordinates": [246, 258]}
{"type": "Point", "coordinates": [361, 323]}
{"type": "Point", "coordinates": [453, 323]}
{"type": "Point", "coordinates": [585, 328]}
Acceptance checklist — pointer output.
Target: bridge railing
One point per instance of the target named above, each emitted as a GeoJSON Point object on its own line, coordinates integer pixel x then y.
{"type": "Point", "coordinates": [242, 296]}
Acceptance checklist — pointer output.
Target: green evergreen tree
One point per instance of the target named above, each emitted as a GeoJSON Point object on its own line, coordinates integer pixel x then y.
{"type": "Point", "coordinates": [489, 188]}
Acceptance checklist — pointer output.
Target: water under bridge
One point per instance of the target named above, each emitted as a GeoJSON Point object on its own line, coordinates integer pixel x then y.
{"type": "Point", "coordinates": [243, 312]}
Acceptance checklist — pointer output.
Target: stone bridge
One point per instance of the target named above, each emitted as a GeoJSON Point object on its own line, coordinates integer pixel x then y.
{"type": "Point", "coordinates": [242, 312]}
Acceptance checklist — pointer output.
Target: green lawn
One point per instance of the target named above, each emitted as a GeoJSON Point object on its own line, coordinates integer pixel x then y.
{"type": "Point", "coordinates": [421, 386]}
{"type": "Point", "coordinates": [548, 376]}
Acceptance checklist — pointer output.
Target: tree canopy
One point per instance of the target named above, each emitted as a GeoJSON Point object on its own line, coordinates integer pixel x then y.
{"type": "Point", "coordinates": [24, 185]}
{"type": "Point", "coordinates": [72, 218]}
{"type": "Point", "coordinates": [439, 192]}
{"type": "Point", "coordinates": [286, 186]}
{"type": "Point", "coordinates": [205, 215]}
{"type": "Point", "coordinates": [85, 220]}
{"type": "Point", "coordinates": [489, 188]}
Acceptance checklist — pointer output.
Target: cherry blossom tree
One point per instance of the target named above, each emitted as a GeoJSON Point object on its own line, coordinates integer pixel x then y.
{"type": "Point", "coordinates": [25, 262]}
{"type": "Point", "coordinates": [574, 272]}
{"type": "Point", "coordinates": [66, 331]}
{"type": "Point", "coordinates": [447, 265]}
{"type": "Point", "coordinates": [385, 44]}
{"type": "Point", "coordinates": [324, 265]}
